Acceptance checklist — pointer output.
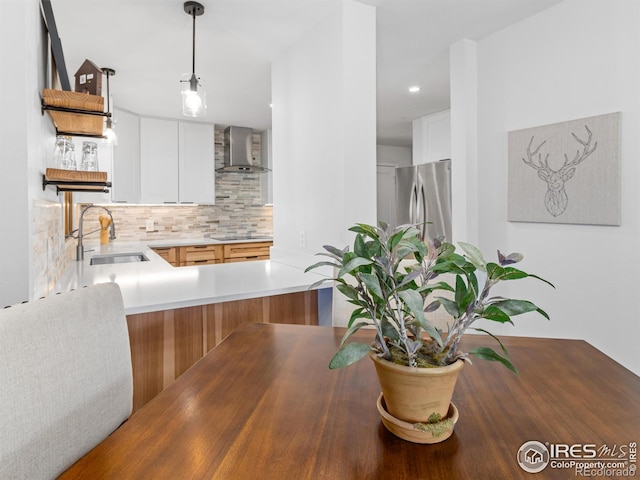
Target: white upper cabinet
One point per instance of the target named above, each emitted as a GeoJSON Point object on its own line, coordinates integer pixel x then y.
{"type": "Point", "coordinates": [158, 160]}
{"type": "Point", "coordinates": [176, 162]}
{"type": "Point", "coordinates": [196, 163]}
{"type": "Point", "coordinates": [126, 158]}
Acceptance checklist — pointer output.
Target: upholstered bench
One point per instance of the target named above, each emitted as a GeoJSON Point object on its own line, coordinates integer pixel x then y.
{"type": "Point", "coordinates": [65, 379]}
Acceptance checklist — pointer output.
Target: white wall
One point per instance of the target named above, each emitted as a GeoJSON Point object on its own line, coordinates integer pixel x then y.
{"type": "Point", "coordinates": [391, 155]}
{"type": "Point", "coordinates": [324, 135]}
{"type": "Point", "coordinates": [24, 137]}
{"type": "Point", "coordinates": [577, 59]}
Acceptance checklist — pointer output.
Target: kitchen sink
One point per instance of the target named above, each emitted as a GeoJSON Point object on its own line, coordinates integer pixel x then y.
{"type": "Point", "coordinates": [111, 258]}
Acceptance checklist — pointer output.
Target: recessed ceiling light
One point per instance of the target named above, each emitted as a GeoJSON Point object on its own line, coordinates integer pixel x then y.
{"type": "Point", "coordinates": [414, 89]}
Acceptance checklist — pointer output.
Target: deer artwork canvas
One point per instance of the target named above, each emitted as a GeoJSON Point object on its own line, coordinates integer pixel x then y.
{"type": "Point", "coordinates": [566, 172]}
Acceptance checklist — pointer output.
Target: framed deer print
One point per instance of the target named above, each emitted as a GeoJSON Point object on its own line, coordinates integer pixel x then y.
{"type": "Point", "coordinates": [566, 172]}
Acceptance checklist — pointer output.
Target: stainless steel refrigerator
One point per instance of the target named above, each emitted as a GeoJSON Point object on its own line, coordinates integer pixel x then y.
{"type": "Point", "coordinates": [423, 194]}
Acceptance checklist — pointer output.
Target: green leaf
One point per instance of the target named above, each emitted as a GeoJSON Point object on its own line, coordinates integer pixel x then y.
{"type": "Point", "coordinates": [415, 303]}
{"type": "Point", "coordinates": [321, 264]}
{"type": "Point", "coordinates": [371, 282]}
{"type": "Point", "coordinates": [359, 246]}
{"type": "Point", "coordinates": [348, 354]}
{"type": "Point", "coordinates": [494, 271]}
{"type": "Point", "coordinates": [356, 314]}
{"type": "Point", "coordinates": [367, 230]}
{"type": "Point", "coordinates": [351, 330]}
{"type": "Point", "coordinates": [494, 314]}
{"type": "Point", "coordinates": [409, 277]}
{"type": "Point", "coordinates": [319, 282]}
{"type": "Point", "coordinates": [389, 330]}
{"type": "Point", "coordinates": [353, 264]}
{"type": "Point", "coordinates": [542, 280]}
{"type": "Point", "coordinates": [450, 306]}
{"type": "Point", "coordinates": [395, 239]}
{"type": "Point", "coordinates": [335, 251]}
{"type": "Point", "coordinates": [474, 255]}
{"type": "Point", "coordinates": [515, 307]}
{"type": "Point", "coordinates": [449, 266]}
{"type": "Point", "coordinates": [504, 350]}
{"type": "Point", "coordinates": [461, 291]}
{"type": "Point", "coordinates": [349, 291]}
{"type": "Point", "coordinates": [486, 353]}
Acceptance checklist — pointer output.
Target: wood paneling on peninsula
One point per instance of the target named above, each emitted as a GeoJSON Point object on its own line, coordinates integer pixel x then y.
{"type": "Point", "coordinates": [165, 344]}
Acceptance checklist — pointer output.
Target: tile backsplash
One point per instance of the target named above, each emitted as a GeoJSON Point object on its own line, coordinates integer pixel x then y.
{"type": "Point", "coordinates": [183, 222]}
{"type": "Point", "coordinates": [51, 253]}
{"type": "Point", "coordinates": [238, 210]}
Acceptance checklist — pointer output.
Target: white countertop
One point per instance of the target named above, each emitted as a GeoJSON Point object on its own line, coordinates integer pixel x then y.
{"type": "Point", "coordinates": [156, 285]}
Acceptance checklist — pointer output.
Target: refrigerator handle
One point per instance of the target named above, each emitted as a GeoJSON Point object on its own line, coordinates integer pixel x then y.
{"type": "Point", "coordinates": [423, 212]}
{"type": "Point", "coordinates": [413, 205]}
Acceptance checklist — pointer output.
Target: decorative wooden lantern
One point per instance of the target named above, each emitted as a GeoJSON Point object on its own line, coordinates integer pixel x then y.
{"type": "Point", "coordinates": [89, 78]}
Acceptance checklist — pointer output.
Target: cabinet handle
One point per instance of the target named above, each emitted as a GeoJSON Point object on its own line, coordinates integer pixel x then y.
{"type": "Point", "coordinates": [200, 261]}
{"type": "Point", "coordinates": [252, 256]}
{"type": "Point", "coordinates": [200, 246]}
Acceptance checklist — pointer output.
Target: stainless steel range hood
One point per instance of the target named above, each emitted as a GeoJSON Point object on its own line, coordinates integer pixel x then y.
{"type": "Point", "coordinates": [238, 156]}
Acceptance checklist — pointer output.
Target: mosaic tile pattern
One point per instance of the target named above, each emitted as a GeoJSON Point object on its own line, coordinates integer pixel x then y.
{"type": "Point", "coordinates": [51, 253]}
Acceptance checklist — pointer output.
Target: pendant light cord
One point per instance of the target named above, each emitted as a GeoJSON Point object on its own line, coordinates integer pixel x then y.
{"type": "Point", "coordinates": [108, 95]}
{"type": "Point", "coordinates": [193, 58]}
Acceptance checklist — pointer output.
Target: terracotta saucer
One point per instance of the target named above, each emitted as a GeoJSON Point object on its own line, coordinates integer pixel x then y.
{"type": "Point", "coordinates": [433, 433]}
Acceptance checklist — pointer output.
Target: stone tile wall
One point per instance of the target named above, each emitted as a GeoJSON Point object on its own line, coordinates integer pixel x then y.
{"type": "Point", "coordinates": [51, 253]}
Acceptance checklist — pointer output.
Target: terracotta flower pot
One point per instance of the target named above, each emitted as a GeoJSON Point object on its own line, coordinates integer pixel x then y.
{"type": "Point", "coordinates": [415, 394]}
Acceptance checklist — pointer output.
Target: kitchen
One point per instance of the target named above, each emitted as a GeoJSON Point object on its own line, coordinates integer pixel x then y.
{"type": "Point", "coordinates": [510, 79]}
{"type": "Point", "coordinates": [301, 189]}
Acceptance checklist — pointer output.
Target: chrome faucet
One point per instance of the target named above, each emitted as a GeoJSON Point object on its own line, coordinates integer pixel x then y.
{"type": "Point", "coordinates": [112, 230]}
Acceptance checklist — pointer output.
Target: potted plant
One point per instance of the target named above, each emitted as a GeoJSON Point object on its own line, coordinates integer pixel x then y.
{"type": "Point", "coordinates": [395, 280]}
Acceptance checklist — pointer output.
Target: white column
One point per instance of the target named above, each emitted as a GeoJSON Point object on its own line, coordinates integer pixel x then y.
{"type": "Point", "coordinates": [464, 140]}
{"type": "Point", "coordinates": [324, 135]}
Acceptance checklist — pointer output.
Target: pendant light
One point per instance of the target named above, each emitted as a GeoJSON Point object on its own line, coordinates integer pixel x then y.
{"type": "Point", "coordinates": [109, 133]}
{"type": "Point", "coordinates": [194, 101]}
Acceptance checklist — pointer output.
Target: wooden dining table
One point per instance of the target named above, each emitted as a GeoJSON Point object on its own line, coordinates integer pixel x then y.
{"type": "Point", "coordinates": [264, 405]}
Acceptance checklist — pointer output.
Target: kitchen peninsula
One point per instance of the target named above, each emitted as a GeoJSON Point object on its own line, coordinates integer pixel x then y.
{"type": "Point", "coordinates": [177, 314]}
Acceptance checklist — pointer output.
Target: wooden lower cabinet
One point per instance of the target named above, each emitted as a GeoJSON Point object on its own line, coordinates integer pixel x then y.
{"type": "Point", "coordinates": [214, 253]}
{"type": "Point", "coordinates": [243, 252]}
{"type": "Point", "coordinates": [201, 255]}
{"type": "Point", "coordinates": [169, 254]}
{"type": "Point", "coordinates": [165, 344]}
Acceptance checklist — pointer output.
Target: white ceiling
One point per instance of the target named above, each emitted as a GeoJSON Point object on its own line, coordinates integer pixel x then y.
{"type": "Point", "coordinates": [148, 43]}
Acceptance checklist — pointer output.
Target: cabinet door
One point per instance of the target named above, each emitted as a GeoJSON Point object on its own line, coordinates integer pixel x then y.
{"type": "Point", "coordinates": [386, 195]}
{"type": "Point", "coordinates": [158, 160]}
{"type": "Point", "coordinates": [126, 158]}
{"type": "Point", "coordinates": [197, 168]}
